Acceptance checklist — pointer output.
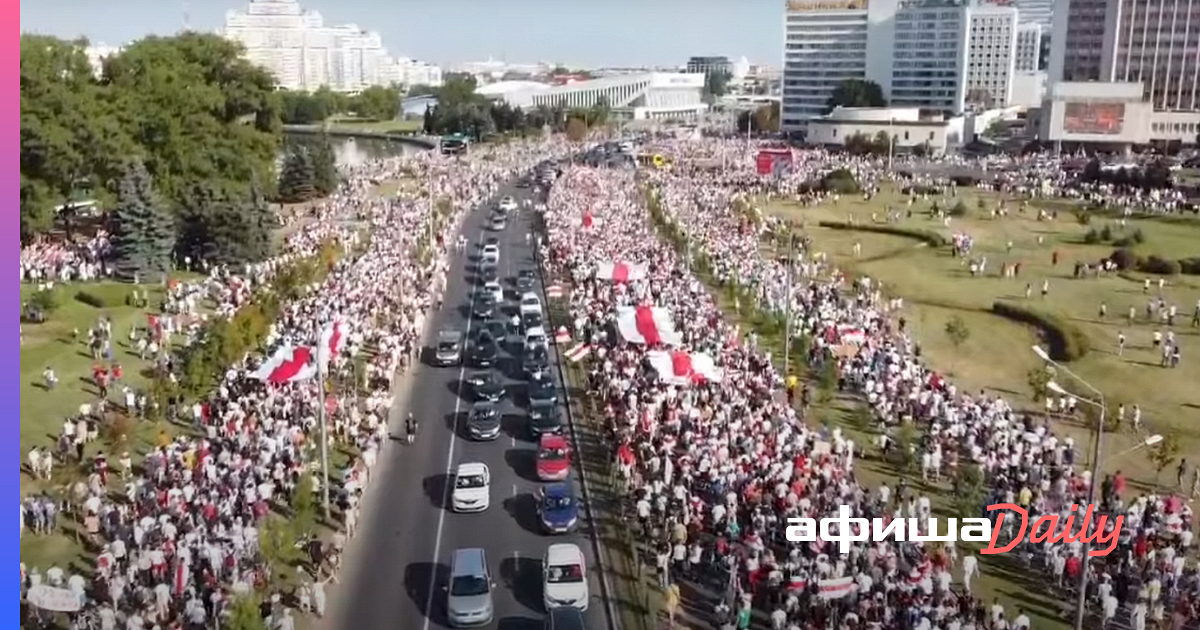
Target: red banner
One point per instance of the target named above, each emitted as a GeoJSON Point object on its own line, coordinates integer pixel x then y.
{"type": "Point", "coordinates": [771, 159]}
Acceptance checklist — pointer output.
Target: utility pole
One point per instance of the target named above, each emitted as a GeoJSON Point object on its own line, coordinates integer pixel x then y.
{"type": "Point", "coordinates": [322, 422]}
{"type": "Point", "coordinates": [787, 308]}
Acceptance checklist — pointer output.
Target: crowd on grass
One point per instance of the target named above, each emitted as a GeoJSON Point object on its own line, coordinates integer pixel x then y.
{"type": "Point", "coordinates": [716, 466]}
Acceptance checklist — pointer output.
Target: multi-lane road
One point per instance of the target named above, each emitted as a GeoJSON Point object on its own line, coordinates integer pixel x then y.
{"type": "Point", "coordinates": [397, 565]}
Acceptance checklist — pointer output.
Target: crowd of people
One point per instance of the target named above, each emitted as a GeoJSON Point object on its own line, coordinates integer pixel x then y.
{"type": "Point", "coordinates": [716, 468]}
{"type": "Point", "coordinates": [176, 534]}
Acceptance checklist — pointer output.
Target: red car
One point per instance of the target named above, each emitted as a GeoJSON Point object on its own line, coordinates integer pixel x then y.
{"type": "Point", "coordinates": [553, 458]}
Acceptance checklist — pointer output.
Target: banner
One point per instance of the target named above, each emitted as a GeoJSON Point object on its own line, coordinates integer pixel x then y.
{"type": "Point", "coordinates": [53, 599]}
{"type": "Point", "coordinates": [773, 161]}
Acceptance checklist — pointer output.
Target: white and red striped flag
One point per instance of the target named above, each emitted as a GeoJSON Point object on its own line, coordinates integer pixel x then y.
{"type": "Point", "coordinates": [620, 272]}
{"type": "Point", "coordinates": [289, 364]}
{"type": "Point", "coordinates": [555, 291]}
{"type": "Point", "coordinates": [836, 588]}
{"type": "Point", "coordinates": [576, 354]}
{"type": "Point", "coordinates": [333, 339]}
{"type": "Point", "coordinates": [681, 368]}
{"type": "Point", "coordinates": [649, 325]}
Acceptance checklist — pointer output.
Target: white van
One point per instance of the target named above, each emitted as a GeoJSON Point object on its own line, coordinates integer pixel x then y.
{"type": "Point", "coordinates": [530, 303]}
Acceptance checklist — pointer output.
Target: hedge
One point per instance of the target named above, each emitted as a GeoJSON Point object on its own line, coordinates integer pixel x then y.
{"type": "Point", "coordinates": [1066, 341]}
{"type": "Point", "coordinates": [929, 237]}
{"type": "Point", "coordinates": [1126, 259]}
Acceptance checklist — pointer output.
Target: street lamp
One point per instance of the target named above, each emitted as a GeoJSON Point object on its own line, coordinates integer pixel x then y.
{"type": "Point", "coordinates": [1098, 402]}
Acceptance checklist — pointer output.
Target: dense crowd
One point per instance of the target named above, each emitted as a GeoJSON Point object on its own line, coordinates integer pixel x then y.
{"type": "Point", "coordinates": [715, 467]}
{"type": "Point", "coordinates": [176, 534]}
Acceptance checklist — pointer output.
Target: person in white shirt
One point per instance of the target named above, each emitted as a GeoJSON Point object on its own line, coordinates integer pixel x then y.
{"type": "Point", "coordinates": [970, 565]}
{"type": "Point", "coordinates": [1021, 622]}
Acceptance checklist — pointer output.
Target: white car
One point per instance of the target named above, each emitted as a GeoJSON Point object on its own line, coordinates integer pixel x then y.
{"type": "Point", "coordinates": [534, 337]}
{"type": "Point", "coordinates": [530, 303]}
{"type": "Point", "coordinates": [565, 577]}
{"type": "Point", "coordinates": [490, 254]}
{"type": "Point", "coordinates": [508, 204]}
{"type": "Point", "coordinates": [496, 289]}
{"type": "Point", "coordinates": [472, 488]}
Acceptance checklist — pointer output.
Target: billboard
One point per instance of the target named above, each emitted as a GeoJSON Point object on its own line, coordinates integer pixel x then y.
{"type": "Point", "coordinates": [1095, 119]}
{"type": "Point", "coordinates": [773, 160]}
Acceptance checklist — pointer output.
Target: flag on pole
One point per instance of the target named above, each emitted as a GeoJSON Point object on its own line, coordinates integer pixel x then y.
{"type": "Point", "coordinates": [289, 364]}
{"type": "Point", "coordinates": [333, 339]}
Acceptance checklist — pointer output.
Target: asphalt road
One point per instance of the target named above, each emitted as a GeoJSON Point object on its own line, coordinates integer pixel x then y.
{"type": "Point", "coordinates": [399, 561]}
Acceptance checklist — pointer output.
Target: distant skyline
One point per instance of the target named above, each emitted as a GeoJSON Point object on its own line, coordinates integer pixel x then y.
{"type": "Point", "coordinates": [449, 32]}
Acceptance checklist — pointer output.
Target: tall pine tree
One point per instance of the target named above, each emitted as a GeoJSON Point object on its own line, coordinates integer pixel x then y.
{"type": "Point", "coordinates": [143, 229]}
{"type": "Point", "coordinates": [298, 177]}
{"type": "Point", "coordinates": [324, 167]}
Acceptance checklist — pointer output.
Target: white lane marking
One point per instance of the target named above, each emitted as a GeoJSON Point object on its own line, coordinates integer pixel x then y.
{"type": "Point", "coordinates": [437, 540]}
{"type": "Point", "coordinates": [512, 440]}
{"type": "Point", "coordinates": [514, 489]}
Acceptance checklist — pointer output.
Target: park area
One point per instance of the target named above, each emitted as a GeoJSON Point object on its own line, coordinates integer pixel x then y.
{"type": "Point", "coordinates": [978, 326]}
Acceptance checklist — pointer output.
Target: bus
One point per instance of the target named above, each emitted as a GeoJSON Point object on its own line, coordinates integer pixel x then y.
{"type": "Point", "coordinates": [456, 144]}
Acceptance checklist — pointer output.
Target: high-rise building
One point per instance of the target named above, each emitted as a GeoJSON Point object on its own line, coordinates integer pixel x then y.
{"type": "Point", "coordinates": [1151, 41]}
{"type": "Point", "coordinates": [930, 60]}
{"type": "Point", "coordinates": [1036, 11]}
{"type": "Point", "coordinates": [827, 42]}
{"type": "Point", "coordinates": [991, 54]}
{"type": "Point", "coordinates": [305, 54]}
{"type": "Point", "coordinates": [1029, 46]}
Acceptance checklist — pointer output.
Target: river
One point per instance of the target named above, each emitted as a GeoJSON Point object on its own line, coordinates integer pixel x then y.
{"type": "Point", "coordinates": [355, 151]}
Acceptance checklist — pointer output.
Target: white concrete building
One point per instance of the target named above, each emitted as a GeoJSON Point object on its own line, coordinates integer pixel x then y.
{"type": "Point", "coordinates": [1153, 42]}
{"type": "Point", "coordinates": [410, 72]}
{"type": "Point", "coordinates": [1110, 115]}
{"type": "Point", "coordinates": [305, 54]}
{"type": "Point", "coordinates": [650, 95]}
{"type": "Point", "coordinates": [1029, 46]}
{"type": "Point", "coordinates": [1028, 90]}
{"type": "Point", "coordinates": [1040, 12]}
{"type": "Point", "coordinates": [906, 126]}
{"type": "Point", "coordinates": [930, 67]}
{"type": "Point", "coordinates": [991, 54]}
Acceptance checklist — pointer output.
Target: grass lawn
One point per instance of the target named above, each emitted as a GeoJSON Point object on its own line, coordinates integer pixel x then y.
{"type": "Point", "coordinates": [375, 126]}
{"type": "Point", "coordinates": [996, 356]}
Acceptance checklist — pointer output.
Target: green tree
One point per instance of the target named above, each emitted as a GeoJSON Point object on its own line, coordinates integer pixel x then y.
{"type": "Point", "coordinates": [716, 84]}
{"type": "Point", "coordinates": [377, 102]}
{"type": "Point", "coordinates": [225, 230]}
{"type": "Point", "coordinates": [957, 332]}
{"type": "Point", "coordinates": [298, 178]}
{"type": "Point", "coordinates": [968, 490]}
{"type": "Point", "coordinates": [1163, 454]}
{"type": "Point", "coordinates": [1039, 379]}
{"type": "Point", "coordinates": [304, 505]}
{"type": "Point", "coordinates": [305, 108]}
{"type": "Point", "coordinates": [143, 237]}
{"type": "Point", "coordinates": [325, 172]}
{"type": "Point", "coordinates": [244, 614]}
{"type": "Point", "coordinates": [856, 93]}
{"type": "Point", "coordinates": [277, 546]}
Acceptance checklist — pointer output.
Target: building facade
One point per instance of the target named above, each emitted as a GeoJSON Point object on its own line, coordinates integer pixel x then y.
{"type": "Point", "coordinates": [1153, 42]}
{"type": "Point", "coordinates": [991, 55]}
{"type": "Point", "coordinates": [709, 65]}
{"type": "Point", "coordinates": [1040, 12]}
{"type": "Point", "coordinates": [648, 95]}
{"type": "Point", "coordinates": [930, 60]}
{"type": "Point", "coordinates": [303, 53]}
{"type": "Point", "coordinates": [1029, 46]}
{"type": "Point", "coordinates": [1111, 116]}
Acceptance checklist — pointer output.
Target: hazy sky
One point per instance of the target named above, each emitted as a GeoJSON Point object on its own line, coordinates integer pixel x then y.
{"type": "Point", "coordinates": [607, 32]}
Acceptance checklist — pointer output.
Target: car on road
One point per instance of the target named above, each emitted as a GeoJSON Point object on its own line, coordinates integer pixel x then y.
{"type": "Point", "coordinates": [525, 279]}
{"type": "Point", "coordinates": [535, 338]}
{"type": "Point", "coordinates": [483, 421]}
{"type": "Point", "coordinates": [484, 305]}
{"type": "Point", "coordinates": [542, 390]}
{"type": "Point", "coordinates": [472, 488]}
{"type": "Point", "coordinates": [488, 386]}
{"type": "Point", "coordinates": [557, 508]}
{"type": "Point", "coordinates": [565, 577]}
{"type": "Point", "coordinates": [490, 254]}
{"type": "Point", "coordinates": [495, 289]}
{"type": "Point", "coordinates": [499, 222]}
{"type": "Point", "coordinates": [498, 326]}
{"type": "Point", "coordinates": [536, 361]}
{"type": "Point", "coordinates": [489, 273]}
{"type": "Point", "coordinates": [530, 303]}
{"type": "Point", "coordinates": [449, 348]}
{"type": "Point", "coordinates": [469, 594]}
{"type": "Point", "coordinates": [553, 458]}
{"type": "Point", "coordinates": [485, 351]}
{"type": "Point", "coordinates": [508, 204]}
{"type": "Point", "coordinates": [563, 618]}
{"type": "Point", "coordinates": [545, 418]}
{"type": "Point", "coordinates": [531, 320]}
{"type": "Point", "coordinates": [491, 240]}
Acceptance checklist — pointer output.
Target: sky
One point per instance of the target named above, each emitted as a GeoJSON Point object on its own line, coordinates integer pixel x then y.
{"type": "Point", "coordinates": [575, 34]}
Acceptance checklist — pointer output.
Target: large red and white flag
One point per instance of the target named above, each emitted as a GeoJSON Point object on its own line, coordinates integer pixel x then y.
{"type": "Point", "coordinates": [650, 325]}
{"type": "Point", "coordinates": [620, 272]}
{"type": "Point", "coordinates": [682, 368]}
{"type": "Point", "coordinates": [589, 220]}
{"type": "Point", "coordinates": [289, 364]}
{"type": "Point", "coordinates": [333, 339]}
{"type": "Point", "coordinates": [576, 354]}
{"type": "Point", "coordinates": [836, 588]}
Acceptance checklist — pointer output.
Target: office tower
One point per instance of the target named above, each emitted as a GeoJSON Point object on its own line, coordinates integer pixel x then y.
{"type": "Point", "coordinates": [1039, 12]}
{"type": "Point", "coordinates": [1029, 46]}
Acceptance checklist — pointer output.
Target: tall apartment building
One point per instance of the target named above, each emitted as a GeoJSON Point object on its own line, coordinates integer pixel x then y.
{"type": "Point", "coordinates": [305, 54]}
{"type": "Point", "coordinates": [1151, 41]}
{"type": "Point", "coordinates": [1039, 12]}
{"type": "Point", "coordinates": [930, 67]}
{"type": "Point", "coordinates": [827, 42]}
{"type": "Point", "coordinates": [1029, 46]}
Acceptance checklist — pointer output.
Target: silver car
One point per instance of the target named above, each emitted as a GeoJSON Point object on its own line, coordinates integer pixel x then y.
{"type": "Point", "coordinates": [469, 594]}
{"type": "Point", "coordinates": [449, 348]}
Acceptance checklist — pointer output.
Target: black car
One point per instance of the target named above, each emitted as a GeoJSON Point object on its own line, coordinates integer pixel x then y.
{"type": "Point", "coordinates": [545, 417]}
{"type": "Point", "coordinates": [531, 319]}
{"type": "Point", "coordinates": [488, 273]}
{"type": "Point", "coordinates": [488, 386]}
{"type": "Point", "coordinates": [536, 361]}
{"type": "Point", "coordinates": [525, 279]}
{"type": "Point", "coordinates": [485, 305]}
{"type": "Point", "coordinates": [542, 390]}
{"type": "Point", "coordinates": [498, 327]}
{"type": "Point", "coordinates": [483, 423]}
{"type": "Point", "coordinates": [564, 618]}
{"type": "Point", "coordinates": [491, 240]}
{"type": "Point", "coordinates": [485, 350]}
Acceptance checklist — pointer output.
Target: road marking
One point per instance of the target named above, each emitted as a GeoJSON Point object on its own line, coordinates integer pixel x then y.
{"type": "Point", "coordinates": [512, 440]}
{"type": "Point", "coordinates": [437, 540]}
{"type": "Point", "coordinates": [514, 489]}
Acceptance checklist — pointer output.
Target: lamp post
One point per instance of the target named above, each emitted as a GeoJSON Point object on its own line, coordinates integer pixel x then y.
{"type": "Point", "coordinates": [1098, 402]}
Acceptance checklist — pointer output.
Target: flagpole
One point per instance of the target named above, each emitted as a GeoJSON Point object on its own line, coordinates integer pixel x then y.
{"type": "Point", "coordinates": [321, 421]}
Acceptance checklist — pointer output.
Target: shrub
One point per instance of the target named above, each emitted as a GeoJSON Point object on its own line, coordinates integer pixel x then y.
{"type": "Point", "coordinates": [45, 300]}
{"type": "Point", "coordinates": [959, 209]}
{"type": "Point", "coordinates": [91, 299]}
{"type": "Point", "coordinates": [1124, 259]}
{"type": "Point", "coordinates": [1083, 217]}
{"type": "Point", "coordinates": [1066, 341]}
{"type": "Point", "coordinates": [1190, 266]}
{"type": "Point", "coordinates": [933, 239]}
{"type": "Point", "coordinates": [840, 181]}
{"type": "Point", "coordinates": [922, 189]}
{"type": "Point", "coordinates": [964, 180]}
{"type": "Point", "coordinates": [1158, 265]}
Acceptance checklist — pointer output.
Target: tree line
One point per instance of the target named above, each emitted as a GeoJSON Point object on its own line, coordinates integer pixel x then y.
{"type": "Point", "coordinates": [310, 108]}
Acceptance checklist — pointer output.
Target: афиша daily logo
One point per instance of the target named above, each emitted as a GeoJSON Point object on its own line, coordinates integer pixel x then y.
{"type": "Point", "coordinates": [846, 530]}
